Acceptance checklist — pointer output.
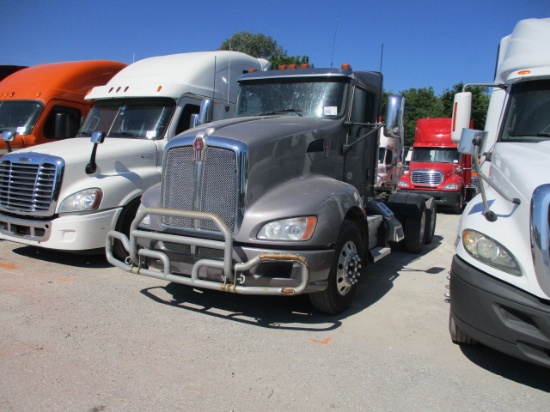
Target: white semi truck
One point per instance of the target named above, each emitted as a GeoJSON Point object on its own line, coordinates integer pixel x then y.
{"type": "Point", "coordinates": [500, 274]}
{"type": "Point", "coordinates": [67, 195]}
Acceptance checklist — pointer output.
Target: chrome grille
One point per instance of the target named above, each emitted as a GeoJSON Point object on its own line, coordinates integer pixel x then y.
{"type": "Point", "coordinates": [427, 177]}
{"type": "Point", "coordinates": [209, 186]}
{"type": "Point", "coordinates": [28, 187]}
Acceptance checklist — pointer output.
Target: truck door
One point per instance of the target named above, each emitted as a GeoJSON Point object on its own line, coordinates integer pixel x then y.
{"type": "Point", "coordinates": [361, 159]}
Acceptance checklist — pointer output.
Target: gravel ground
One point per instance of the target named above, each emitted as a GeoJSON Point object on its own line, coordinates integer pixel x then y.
{"type": "Point", "coordinates": [79, 335]}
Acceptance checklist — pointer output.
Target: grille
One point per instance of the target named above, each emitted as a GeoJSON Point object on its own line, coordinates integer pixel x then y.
{"type": "Point", "coordinates": [210, 186]}
{"type": "Point", "coordinates": [426, 177]}
{"type": "Point", "coordinates": [27, 187]}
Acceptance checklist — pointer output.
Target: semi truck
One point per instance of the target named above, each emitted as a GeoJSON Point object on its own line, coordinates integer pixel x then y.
{"type": "Point", "coordinates": [45, 102]}
{"type": "Point", "coordinates": [67, 195]}
{"type": "Point", "coordinates": [280, 199]}
{"type": "Point", "coordinates": [500, 272]}
{"type": "Point", "coordinates": [437, 168]}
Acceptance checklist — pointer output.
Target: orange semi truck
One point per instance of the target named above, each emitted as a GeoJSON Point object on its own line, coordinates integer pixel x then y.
{"type": "Point", "coordinates": [46, 102]}
{"type": "Point", "coordinates": [436, 167]}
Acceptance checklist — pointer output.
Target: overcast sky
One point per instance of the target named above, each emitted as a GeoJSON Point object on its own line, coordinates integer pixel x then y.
{"type": "Point", "coordinates": [417, 44]}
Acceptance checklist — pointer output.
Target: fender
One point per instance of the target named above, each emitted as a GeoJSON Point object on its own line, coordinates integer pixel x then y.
{"type": "Point", "coordinates": [329, 199]}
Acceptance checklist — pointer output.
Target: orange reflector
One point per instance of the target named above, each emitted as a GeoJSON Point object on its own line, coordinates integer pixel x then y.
{"type": "Point", "coordinates": [523, 72]}
{"type": "Point", "coordinates": [159, 88]}
{"type": "Point", "coordinates": [251, 70]}
{"type": "Point", "coordinates": [345, 66]}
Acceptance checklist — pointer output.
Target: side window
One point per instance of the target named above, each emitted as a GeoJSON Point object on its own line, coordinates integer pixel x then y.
{"type": "Point", "coordinates": [185, 118]}
{"type": "Point", "coordinates": [62, 122]}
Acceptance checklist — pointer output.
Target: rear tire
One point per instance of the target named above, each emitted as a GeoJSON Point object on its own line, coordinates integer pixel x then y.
{"type": "Point", "coordinates": [414, 229]}
{"type": "Point", "coordinates": [344, 273]}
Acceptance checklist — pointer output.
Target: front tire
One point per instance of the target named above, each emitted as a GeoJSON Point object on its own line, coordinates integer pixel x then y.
{"type": "Point", "coordinates": [344, 273]}
{"type": "Point", "coordinates": [123, 225]}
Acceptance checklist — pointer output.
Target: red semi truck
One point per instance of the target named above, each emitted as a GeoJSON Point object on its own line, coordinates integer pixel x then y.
{"type": "Point", "coordinates": [436, 168]}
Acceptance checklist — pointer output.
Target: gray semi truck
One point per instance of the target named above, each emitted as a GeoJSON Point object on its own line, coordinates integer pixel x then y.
{"type": "Point", "coordinates": [280, 199]}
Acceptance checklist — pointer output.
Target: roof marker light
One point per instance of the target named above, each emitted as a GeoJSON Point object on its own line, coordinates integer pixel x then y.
{"type": "Point", "coordinates": [345, 66]}
{"type": "Point", "coordinates": [523, 72]}
{"type": "Point", "coordinates": [159, 88]}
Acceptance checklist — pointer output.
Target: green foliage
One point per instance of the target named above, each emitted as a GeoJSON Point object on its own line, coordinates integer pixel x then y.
{"type": "Point", "coordinates": [419, 104]}
{"type": "Point", "coordinates": [480, 103]}
{"type": "Point", "coordinates": [261, 46]}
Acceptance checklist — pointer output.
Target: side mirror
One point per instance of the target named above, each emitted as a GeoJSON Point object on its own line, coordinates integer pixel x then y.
{"type": "Point", "coordinates": [205, 113]}
{"type": "Point", "coordinates": [462, 108]}
{"type": "Point", "coordinates": [97, 137]}
{"type": "Point", "coordinates": [8, 135]}
{"type": "Point", "coordinates": [394, 116]}
{"type": "Point", "coordinates": [469, 139]}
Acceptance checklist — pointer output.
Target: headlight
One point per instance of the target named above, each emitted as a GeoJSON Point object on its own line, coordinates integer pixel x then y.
{"type": "Point", "coordinates": [402, 183]}
{"type": "Point", "coordinates": [295, 229]}
{"type": "Point", "coordinates": [84, 200]}
{"type": "Point", "coordinates": [490, 252]}
{"type": "Point", "coordinates": [451, 186]}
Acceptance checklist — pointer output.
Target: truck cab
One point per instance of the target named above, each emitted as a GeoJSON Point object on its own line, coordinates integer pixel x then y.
{"type": "Point", "coordinates": [500, 273]}
{"type": "Point", "coordinates": [436, 167]}
{"type": "Point", "coordinates": [280, 199]}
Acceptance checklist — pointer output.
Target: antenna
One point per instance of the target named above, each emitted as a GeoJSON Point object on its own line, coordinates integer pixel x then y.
{"type": "Point", "coordinates": [381, 56]}
{"type": "Point", "coordinates": [134, 56]}
{"type": "Point", "coordinates": [334, 39]}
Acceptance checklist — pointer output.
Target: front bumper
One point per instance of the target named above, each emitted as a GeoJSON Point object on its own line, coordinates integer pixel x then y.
{"type": "Point", "coordinates": [71, 232]}
{"type": "Point", "coordinates": [234, 268]}
{"type": "Point", "coordinates": [499, 315]}
{"type": "Point", "coordinates": [441, 198]}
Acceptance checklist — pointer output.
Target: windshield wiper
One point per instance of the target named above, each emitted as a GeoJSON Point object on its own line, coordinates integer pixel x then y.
{"type": "Point", "coordinates": [543, 134]}
{"type": "Point", "coordinates": [279, 111]}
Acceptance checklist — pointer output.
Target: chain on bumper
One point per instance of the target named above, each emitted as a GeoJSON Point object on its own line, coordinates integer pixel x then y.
{"type": "Point", "coordinates": [232, 274]}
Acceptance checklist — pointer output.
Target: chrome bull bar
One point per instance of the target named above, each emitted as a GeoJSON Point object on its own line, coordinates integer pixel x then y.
{"type": "Point", "coordinates": [231, 277]}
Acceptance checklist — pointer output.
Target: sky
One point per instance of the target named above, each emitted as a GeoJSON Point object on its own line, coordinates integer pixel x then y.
{"type": "Point", "coordinates": [416, 44]}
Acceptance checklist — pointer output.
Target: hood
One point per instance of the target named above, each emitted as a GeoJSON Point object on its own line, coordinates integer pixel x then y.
{"type": "Point", "coordinates": [259, 130]}
{"type": "Point", "coordinates": [77, 150]}
{"type": "Point", "coordinates": [519, 168]}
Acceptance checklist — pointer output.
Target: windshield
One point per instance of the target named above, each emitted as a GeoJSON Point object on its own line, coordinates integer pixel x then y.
{"type": "Point", "coordinates": [136, 118]}
{"type": "Point", "coordinates": [528, 114]}
{"type": "Point", "coordinates": [19, 115]}
{"type": "Point", "coordinates": [307, 97]}
{"type": "Point", "coordinates": [424, 154]}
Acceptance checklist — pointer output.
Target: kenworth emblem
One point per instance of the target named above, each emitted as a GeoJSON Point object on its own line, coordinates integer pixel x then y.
{"type": "Point", "coordinates": [198, 147]}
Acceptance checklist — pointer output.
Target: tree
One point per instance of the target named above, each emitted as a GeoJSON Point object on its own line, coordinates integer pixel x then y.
{"type": "Point", "coordinates": [261, 46]}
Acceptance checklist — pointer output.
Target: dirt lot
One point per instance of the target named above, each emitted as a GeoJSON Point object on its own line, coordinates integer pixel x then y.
{"type": "Point", "coordinates": [79, 335]}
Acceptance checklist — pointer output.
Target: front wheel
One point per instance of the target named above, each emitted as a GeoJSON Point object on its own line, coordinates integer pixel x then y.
{"type": "Point", "coordinates": [344, 273]}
